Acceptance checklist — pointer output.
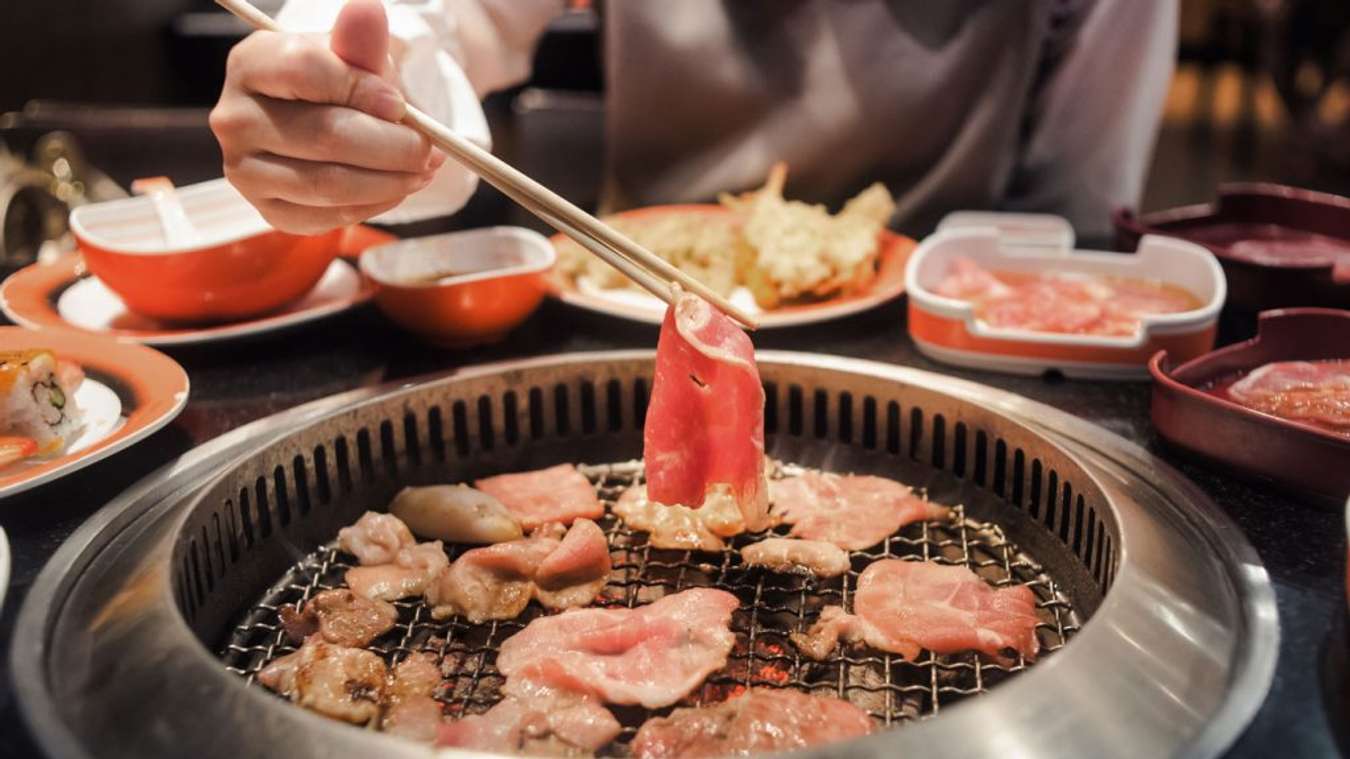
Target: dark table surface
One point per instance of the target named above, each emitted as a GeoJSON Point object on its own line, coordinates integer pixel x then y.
{"type": "Point", "coordinates": [1302, 545]}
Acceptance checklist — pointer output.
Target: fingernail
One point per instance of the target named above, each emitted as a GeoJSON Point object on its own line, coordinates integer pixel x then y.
{"type": "Point", "coordinates": [435, 160]}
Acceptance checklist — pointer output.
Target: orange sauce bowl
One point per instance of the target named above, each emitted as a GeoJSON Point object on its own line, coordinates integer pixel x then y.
{"type": "Point", "coordinates": [464, 288]}
{"type": "Point", "coordinates": [238, 267]}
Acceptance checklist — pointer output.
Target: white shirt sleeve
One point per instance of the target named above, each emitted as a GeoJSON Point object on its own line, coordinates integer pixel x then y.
{"type": "Point", "coordinates": [448, 53]}
{"type": "Point", "coordinates": [1090, 143]}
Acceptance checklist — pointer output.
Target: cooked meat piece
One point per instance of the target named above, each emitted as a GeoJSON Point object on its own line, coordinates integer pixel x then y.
{"type": "Point", "coordinates": [339, 616]}
{"type": "Point", "coordinates": [498, 581]}
{"type": "Point", "coordinates": [375, 538]}
{"type": "Point", "coordinates": [558, 494]}
{"type": "Point", "coordinates": [850, 511]}
{"type": "Point", "coordinates": [904, 606]}
{"type": "Point", "coordinates": [336, 681]}
{"type": "Point", "coordinates": [653, 655]}
{"type": "Point", "coordinates": [417, 719]}
{"type": "Point", "coordinates": [411, 712]}
{"type": "Point", "coordinates": [800, 556]}
{"type": "Point", "coordinates": [455, 514]}
{"type": "Point", "coordinates": [538, 717]}
{"type": "Point", "coordinates": [412, 569]}
{"type": "Point", "coordinates": [681, 527]}
{"type": "Point", "coordinates": [705, 421]}
{"type": "Point", "coordinates": [760, 720]}
{"type": "Point", "coordinates": [415, 676]}
{"type": "Point", "coordinates": [576, 571]}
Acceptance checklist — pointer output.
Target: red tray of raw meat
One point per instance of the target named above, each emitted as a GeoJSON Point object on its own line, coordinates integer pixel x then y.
{"type": "Point", "coordinates": [1279, 246]}
{"type": "Point", "coordinates": [1189, 412]}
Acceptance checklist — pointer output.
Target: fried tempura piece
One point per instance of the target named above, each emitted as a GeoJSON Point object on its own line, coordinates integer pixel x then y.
{"type": "Point", "coordinates": [791, 250]}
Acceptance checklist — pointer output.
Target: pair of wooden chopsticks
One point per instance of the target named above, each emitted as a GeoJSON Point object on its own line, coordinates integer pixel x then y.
{"type": "Point", "coordinates": [637, 263]}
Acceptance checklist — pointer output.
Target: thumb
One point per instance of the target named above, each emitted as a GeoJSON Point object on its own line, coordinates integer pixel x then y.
{"type": "Point", "coordinates": [361, 35]}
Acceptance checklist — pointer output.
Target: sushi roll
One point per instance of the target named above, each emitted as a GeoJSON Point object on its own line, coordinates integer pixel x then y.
{"type": "Point", "coordinates": [37, 398]}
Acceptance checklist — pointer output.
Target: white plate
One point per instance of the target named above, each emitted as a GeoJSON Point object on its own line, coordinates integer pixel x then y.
{"type": "Point", "coordinates": [129, 392]}
{"type": "Point", "coordinates": [90, 305]}
{"type": "Point", "coordinates": [640, 306]}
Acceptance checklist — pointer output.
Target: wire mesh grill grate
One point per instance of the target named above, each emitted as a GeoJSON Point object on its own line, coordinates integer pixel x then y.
{"type": "Point", "coordinates": [772, 607]}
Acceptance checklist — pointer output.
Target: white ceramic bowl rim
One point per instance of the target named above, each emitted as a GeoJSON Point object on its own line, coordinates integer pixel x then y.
{"type": "Point", "coordinates": [131, 226]}
{"type": "Point", "coordinates": [536, 251]}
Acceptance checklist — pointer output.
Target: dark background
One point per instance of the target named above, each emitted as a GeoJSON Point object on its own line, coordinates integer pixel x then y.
{"type": "Point", "coordinates": [1262, 89]}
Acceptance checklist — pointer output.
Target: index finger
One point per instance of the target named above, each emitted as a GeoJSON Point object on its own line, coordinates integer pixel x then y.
{"type": "Point", "coordinates": [296, 67]}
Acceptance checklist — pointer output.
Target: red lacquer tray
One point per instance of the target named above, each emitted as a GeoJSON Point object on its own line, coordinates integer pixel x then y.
{"type": "Point", "coordinates": [1297, 456]}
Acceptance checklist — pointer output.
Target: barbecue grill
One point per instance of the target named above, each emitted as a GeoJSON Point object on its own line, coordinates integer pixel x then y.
{"type": "Point", "coordinates": [1158, 627]}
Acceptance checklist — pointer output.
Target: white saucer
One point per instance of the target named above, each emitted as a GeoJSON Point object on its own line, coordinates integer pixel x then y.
{"type": "Point", "coordinates": [89, 305]}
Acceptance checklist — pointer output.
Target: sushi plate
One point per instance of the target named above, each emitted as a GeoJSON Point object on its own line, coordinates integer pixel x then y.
{"type": "Point", "coordinates": [64, 294]}
{"type": "Point", "coordinates": [129, 392]}
{"type": "Point", "coordinates": [640, 306]}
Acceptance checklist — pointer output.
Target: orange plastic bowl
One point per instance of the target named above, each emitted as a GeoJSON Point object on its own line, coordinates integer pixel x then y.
{"type": "Point", "coordinates": [464, 288]}
{"type": "Point", "coordinates": [240, 267]}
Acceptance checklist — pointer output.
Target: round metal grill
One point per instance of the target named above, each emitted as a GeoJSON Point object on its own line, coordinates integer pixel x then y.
{"type": "Point", "coordinates": [772, 607]}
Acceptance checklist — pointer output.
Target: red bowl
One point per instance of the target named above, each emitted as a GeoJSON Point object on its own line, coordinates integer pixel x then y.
{"type": "Point", "coordinates": [1259, 214]}
{"type": "Point", "coordinates": [1296, 456]}
{"type": "Point", "coordinates": [464, 288]}
{"type": "Point", "coordinates": [240, 268]}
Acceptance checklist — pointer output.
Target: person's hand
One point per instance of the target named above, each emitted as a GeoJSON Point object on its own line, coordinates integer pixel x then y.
{"type": "Point", "coordinates": [309, 131]}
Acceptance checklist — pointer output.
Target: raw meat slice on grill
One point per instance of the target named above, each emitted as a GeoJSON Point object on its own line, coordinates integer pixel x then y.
{"type": "Point", "coordinates": [815, 557]}
{"type": "Point", "coordinates": [853, 512]}
{"type": "Point", "coordinates": [375, 538]}
{"type": "Point", "coordinates": [498, 581]}
{"type": "Point", "coordinates": [760, 720]}
{"type": "Point", "coordinates": [337, 681]}
{"type": "Point", "coordinates": [410, 711]}
{"type": "Point", "coordinates": [680, 527]}
{"type": "Point", "coordinates": [705, 421]}
{"type": "Point", "coordinates": [340, 617]}
{"type": "Point", "coordinates": [1308, 391]}
{"type": "Point", "coordinates": [544, 713]}
{"type": "Point", "coordinates": [558, 494]}
{"type": "Point", "coordinates": [652, 655]}
{"type": "Point", "coordinates": [412, 569]}
{"type": "Point", "coordinates": [904, 606]}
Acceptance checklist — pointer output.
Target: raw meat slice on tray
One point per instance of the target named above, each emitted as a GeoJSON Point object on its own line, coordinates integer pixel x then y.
{"type": "Point", "coordinates": [652, 655]}
{"type": "Point", "coordinates": [498, 581]}
{"type": "Point", "coordinates": [904, 606]}
{"type": "Point", "coordinates": [1308, 391]}
{"type": "Point", "coordinates": [375, 538]}
{"type": "Point", "coordinates": [680, 527]}
{"type": "Point", "coordinates": [339, 616]}
{"type": "Point", "coordinates": [853, 512]}
{"type": "Point", "coordinates": [760, 720]}
{"type": "Point", "coordinates": [791, 555]}
{"type": "Point", "coordinates": [558, 494]}
{"type": "Point", "coordinates": [705, 421]}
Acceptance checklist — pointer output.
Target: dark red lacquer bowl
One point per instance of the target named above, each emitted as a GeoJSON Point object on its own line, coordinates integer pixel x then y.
{"type": "Point", "coordinates": [1277, 244]}
{"type": "Point", "coordinates": [1297, 456]}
